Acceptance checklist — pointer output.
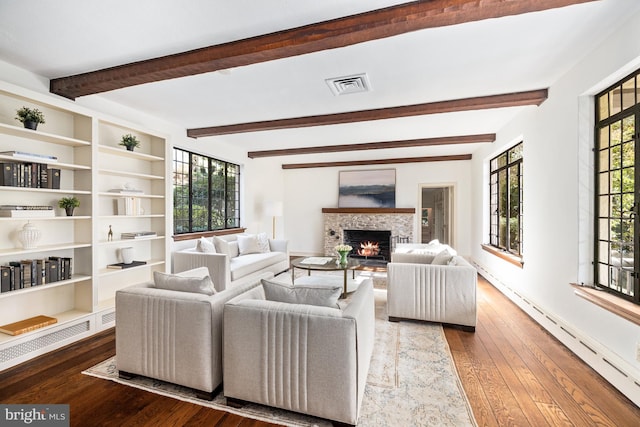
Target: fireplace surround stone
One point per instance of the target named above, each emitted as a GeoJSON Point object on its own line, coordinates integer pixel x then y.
{"type": "Point", "coordinates": [399, 221]}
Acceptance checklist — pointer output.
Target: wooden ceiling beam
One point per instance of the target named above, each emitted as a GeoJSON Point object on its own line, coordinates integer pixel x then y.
{"type": "Point", "coordinates": [454, 157]}
{"type": "Point", "coordinates": [517, 99]}
{"type": "Point", "coordinates": [336, 33]}
{"type": "Point", "coordinates": [424, 142]}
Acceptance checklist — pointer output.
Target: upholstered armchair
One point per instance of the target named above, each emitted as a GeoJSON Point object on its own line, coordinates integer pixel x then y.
{"type": "Point", "coordinates": [445, 293]}
{"type": "Point", "coordinates": [303, 358]}
{"type": "Point", "coordinates": [174, 336]}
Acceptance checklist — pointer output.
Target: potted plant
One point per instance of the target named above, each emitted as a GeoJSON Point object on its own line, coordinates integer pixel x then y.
{"type": "Point", "coordinates": [129, 141]}
{"type": "Point", "coordinates": [69, 204]}
{"type": "Point", "coordinates": [29, 117]}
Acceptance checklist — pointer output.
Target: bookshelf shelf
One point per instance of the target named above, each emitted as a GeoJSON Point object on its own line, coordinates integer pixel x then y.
{"type": "Point", "coordinates": [76, 278]}
{"type": "Point", "coordinates": [43, 190]}
{"type": "Point", "coordinates": [63, 317]}
{"type": "Point", "coordinates": [130, 174]}
{"type": "Point", "coordinates": [54, 165]}
{"type": "Point", "coordinates": [43, 248]}
{"type": "Point", "coordinates": [112, 271]}
{"type": "Point", "coordinates": [121, 241]}
{"type": "Point", "coordinates": [41, 136]}
{"type": "Point", "coordinates": [142, 196]}
{"type": "Point", "coordinates": [51, 218]}
{"type": "Point", "coordinates": [130, 154]}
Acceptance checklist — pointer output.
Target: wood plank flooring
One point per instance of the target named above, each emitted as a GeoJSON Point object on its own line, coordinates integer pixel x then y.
{"type": "Point", "coordinates": [514, 374]}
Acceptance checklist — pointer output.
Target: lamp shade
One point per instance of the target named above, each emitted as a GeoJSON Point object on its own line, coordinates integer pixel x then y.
{"type": "Point", "coordinates": [273, 208]}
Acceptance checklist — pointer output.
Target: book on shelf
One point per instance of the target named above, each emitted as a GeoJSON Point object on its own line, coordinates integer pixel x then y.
{"type": "Point", "coordinates": [122, 265]}
{"type": "Point", "coordinates": [29, 156]}
{"type": "Point", "coordinates": [26, 207]}
{"type": "Point", "coordinates": [53, 179]}
{"type": "Point", "coordinates": [27, 213]}
{"type": "Point", "coordinates": [130, 206]}
{"type": "Point", "coordinates": [5, 278]}
{"type": "Point", "coordinates": [138, 235]}
{"type": "Point", "coordinates": [28, 325]}
{"type": "Point", "coordinates": [125, 191]}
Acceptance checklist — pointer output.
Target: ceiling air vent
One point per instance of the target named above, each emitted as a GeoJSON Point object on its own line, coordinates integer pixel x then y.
{"type": "Point", "coordinates": [349, 84]}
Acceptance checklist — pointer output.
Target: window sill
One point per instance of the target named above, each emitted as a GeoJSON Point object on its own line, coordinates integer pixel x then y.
{"type": "Point", "coordinates": [191, 236]}
{"type": "Point", "coordinates": [510, 258]}
{"type": "Point", "coordinates": [609, 302]}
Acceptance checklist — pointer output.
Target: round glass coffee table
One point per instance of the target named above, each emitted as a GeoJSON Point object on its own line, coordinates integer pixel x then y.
{"type": "Point", "coordinates": [325, 264]}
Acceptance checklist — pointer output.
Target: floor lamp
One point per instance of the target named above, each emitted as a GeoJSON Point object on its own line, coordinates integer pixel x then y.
{"type": "Point", "coordinates": [273, 209]}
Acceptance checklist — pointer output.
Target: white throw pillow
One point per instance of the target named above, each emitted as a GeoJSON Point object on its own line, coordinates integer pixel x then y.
{"type": "Point", "coordinates": [263, 242]}
{"type": "Point", "coordinates": [248, 244]}
{"type": "Point", "coordinates": [325, 296]}
{"type": "Point", "coordinates": [206, 246]}
{"type": "Point", "coordinates": [225, 247]}
{"type": "Point", "coordinates": [442, 258]}
{"type": "Point", "coordinates": [172, 282]}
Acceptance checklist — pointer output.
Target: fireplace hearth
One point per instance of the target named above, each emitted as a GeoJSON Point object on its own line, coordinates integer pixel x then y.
{"type": "Point", "coordinates": [370, 246]}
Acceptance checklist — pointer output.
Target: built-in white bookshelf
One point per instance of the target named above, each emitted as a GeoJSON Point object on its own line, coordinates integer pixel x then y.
{"type": "Point", "coordinates": [91, 165]}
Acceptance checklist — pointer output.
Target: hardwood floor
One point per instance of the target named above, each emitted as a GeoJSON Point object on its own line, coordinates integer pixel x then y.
{"type": "Point", "coordinates": [514, 373]}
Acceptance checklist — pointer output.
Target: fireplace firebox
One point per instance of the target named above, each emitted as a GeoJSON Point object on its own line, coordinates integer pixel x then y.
{"type": "Point", "coordinates": [370, 246]}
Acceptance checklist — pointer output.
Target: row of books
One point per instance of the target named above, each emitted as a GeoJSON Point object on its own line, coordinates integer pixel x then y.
{"type": "Point", "coordinates": [32, 175]}
{"type": "Point", "coordinates": [34, 272]}
{"type": "Point", "coordinates": [130, 206]}
{"type": "Point", "coordinates": [26, 211]}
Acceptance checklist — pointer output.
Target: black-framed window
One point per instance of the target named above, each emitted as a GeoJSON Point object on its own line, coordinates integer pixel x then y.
{"type": "Point", "coordinates": [206, 193]}
{"type": "Point", "coordinates": [505, 200]}
{"type": "Point", "coordinates": [616, 206]}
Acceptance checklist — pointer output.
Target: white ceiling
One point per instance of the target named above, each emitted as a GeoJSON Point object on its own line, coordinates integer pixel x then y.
{"type": "Point", "coordinates": [511, 54]}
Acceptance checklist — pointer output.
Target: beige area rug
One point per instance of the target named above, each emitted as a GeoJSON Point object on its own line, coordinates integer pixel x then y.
{"type": "Point", "coordinates": [412, 381]}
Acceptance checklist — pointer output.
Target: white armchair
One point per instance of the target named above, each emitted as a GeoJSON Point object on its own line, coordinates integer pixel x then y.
{"type": "Point", "coordinates": [303, 358]}
{"type": "Point", "coordinates": [174, 336]}
{"type": "Point", "coordinates": [436, 293]}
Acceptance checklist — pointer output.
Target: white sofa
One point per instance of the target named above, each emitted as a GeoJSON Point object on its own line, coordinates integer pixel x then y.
{"type": "Point", "coordinates": [228, 266]}
{"type": "Point", "coordinates": [303, 358]}
{"type": "Point", "coordinates": [444, 292]}
{"type": "Point", "coordinates": [174, 336]}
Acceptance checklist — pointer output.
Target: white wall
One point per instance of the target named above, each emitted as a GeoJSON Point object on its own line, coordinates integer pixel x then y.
{"type": "Point", "coordinates": [307, 191]}
{"type": "Point", "coordinates": [554, 180]}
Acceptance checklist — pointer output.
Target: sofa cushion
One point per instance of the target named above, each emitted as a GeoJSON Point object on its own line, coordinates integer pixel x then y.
{"type": "Point", "coordinates": [174, 282]}
{"type": "Point", "coordinates": [248, 244]}
{"type": "Point", "coordinates": [229, 248]}
{"type": "Point", "coordinates": [442, 258]}
{"type": "Point", "coordinates": [206, 246]}
{"type": "Point", "coordinates": [320, 295]}
{"type": "Point", "coordinates": [263, 242]}
{"type": "Point", "coordinates": [246, 264]}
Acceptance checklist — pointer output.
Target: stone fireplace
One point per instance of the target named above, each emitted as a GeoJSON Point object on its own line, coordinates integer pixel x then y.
{"type": "Point", "coordinates": [369, 245]}
{"type": "Point", "coordinates": [340, 223]}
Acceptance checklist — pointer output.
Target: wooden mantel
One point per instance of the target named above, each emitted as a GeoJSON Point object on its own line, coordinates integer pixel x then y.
{"type": "Point", "coordinates": [370, 210]}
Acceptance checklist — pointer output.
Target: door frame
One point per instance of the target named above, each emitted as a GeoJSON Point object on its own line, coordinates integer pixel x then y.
{"type": "Point", "coordinates": [452, 211]}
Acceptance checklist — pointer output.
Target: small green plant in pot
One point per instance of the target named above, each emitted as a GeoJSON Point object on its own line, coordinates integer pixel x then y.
{"type": "Point", "coordinates": [29, 117]}
{"type": "Point", "coordinates": [129, 141]}
{"type": "Point", "coordinates": [69, 204]}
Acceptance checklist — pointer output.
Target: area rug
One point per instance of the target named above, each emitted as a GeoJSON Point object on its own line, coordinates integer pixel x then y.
{"type": "Point", "coordinates": [412, 382]}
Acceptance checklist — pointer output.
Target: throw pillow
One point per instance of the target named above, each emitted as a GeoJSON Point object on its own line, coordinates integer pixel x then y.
{"type": "Point", "coordinates": [206, 246]}
{"type": "Point", "coordinates": [442, 258]}
{"type": "Point", "coordinates": [248, 244]}
{"type": "Point", "coordinates": [172, 282]}
{"type": "Point", "coordinates": [263, 242]}
{"type": "Point", "coordinates": [226, 247]}
{"type": "Point", "coordinates": [325, 296]}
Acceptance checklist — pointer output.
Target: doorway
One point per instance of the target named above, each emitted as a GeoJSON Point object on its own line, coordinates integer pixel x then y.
{"type": "Point", "coordinates": [436, 213]}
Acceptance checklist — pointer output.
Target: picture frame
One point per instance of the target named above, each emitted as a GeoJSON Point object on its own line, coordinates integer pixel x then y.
{"type": "Point", "coordinates": [367, 188]}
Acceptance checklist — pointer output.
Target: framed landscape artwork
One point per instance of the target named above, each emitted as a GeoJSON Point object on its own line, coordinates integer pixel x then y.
{"type": "Point", "coordinates": [367, 189]}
